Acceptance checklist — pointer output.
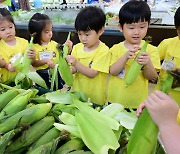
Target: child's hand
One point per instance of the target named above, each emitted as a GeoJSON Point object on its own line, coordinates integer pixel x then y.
{"type": "Point", "coordinates": [10, 68]}
{"type": "Point", "coordinates": [140, 109]}
{"type": "Point", "coordinates": [50, 63]}
{"type": "Point", "coordinates": [143, 58]}
{"type": "Point", "coordinates": [31, 54]}
{"type": "Point", "coordinates": [70, 59]}
{"type": "Point", "coordinates": [73, 69]}
{"type": "Point", "coordinates": [69, 43]}
{"type": "Point", "coordinates": [131, 52]}
{"type": "Point", "coordinates": [162, 108]}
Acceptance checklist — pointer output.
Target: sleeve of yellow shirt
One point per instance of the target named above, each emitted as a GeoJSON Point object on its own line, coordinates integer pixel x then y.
{"type": "Point", "coordinates": [162, 48]}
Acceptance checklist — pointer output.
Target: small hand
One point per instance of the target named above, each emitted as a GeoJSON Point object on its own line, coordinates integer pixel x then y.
{"type": "Point", "coordinates": [131, 53]}
{"type": "Point", "coordinates": [10, 68]}
{"type": "Point", "coordinates": [50, 63]}
{"type": "Point", "coordinates": [70, 59]}
{"type": "Point", "coordinates": [73, 69]}
{"type": "Point", "coordinates": [143, 58]}
{"type": "Point", "coordinates": [140, 109]}
{"type": "Point", "coordinates": [69, 43]}
{"type": "Point", "coordinates": [31, 54]}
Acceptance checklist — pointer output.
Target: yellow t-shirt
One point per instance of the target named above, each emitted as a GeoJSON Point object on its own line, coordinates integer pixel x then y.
{"type": "Point", "coordinates": [47, 51]}
{"type": "Point", "coordinates": [9, 54]}
{"type": "Point", "coordinates": [169, 48]}
{"type": "Point", "coordinates": [99, 59]}
{"type": "Point", "coordinates": [136, 93]}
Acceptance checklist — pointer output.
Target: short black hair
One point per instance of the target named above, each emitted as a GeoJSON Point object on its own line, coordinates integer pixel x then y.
{"type": "Point", "coordinates": [36, 25]}
{"type": "Point", "coordinates": [177, 18]}
{"type": "Point", "coordinates": [5, 14]}
{"type": "Point", "coordinates": [90, 18]}
{"type": "Point", "coordinates": [133, 12]}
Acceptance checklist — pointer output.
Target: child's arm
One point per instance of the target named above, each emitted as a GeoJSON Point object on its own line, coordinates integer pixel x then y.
{"type": "Point", "coordinates": [118, 66]}
{"type": "Point", "coordinates": [149, 71]}
{"type": "Point", "coordinates": [7, 66]}
{"type": "Point", "coordinates": [164, 110]}
{"type": "Point", "coordinates": [89, 72]}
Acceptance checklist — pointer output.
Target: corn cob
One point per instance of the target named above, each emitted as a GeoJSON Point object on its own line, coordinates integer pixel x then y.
{"type": "Point", "coordinates": [25, 117]}
{"type": "Point", "coordinates": [6, 97]}
{"type": "Point", "coordinates": [135, 67]}
{"type": "Point", "coordinates": [17, 104]}
{"type": "Point", "coordinates": [72, 145]}
{"type": "Point", "coordinates": [4, 140]}
{"type": "Point", "coordinates": [32, 134]}
{"type": "Point", "coordinates": [144, 136]}
{"type": "Point", "coordinates": [47, 137]}
{"type": "Point", "coordinates": [64, 69]}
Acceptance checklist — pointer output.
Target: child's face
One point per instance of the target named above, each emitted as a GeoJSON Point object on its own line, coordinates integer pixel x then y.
{"type": "Point", "coordinates": [89, 38]}
{"type": "Point", "coordinates": [134, 32]}
{"type": "Point", "coordinates": [46, 33]}
{"type": "Point", "coordinates": [7, 30]}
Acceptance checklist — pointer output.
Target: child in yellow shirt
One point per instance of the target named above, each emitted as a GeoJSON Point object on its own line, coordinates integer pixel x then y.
{"type": "Point", "coordinates": [11, 47]}
{"type": "Point", "coordinates": [134, 19]}
{"type": "Point", "coordinates": [90, 59]}
{"type": "Point", "coordinates": [45, 48]}
{"type": "Point", "coordinates": [169, 50]}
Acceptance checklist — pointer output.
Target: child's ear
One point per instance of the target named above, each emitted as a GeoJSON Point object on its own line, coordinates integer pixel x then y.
{"type": "Point", "coordinates": [101, 31]}
{"type": "Point", "coordinates": [120, 27]}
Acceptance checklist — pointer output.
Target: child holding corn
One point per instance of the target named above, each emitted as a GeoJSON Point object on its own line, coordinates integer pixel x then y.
{"type": "Point", "coordinates": [11, 47]}
{"type": "Point", "coordinates": [45, 48]}
{"type": "Point", "coordinates": [134, 19]}
{"type": "Point", "coordinates": [169, 50]}
{"type": "Point", "coordinates": [90, 59]}
{"type": "Point", "coordinates": [164, 110]}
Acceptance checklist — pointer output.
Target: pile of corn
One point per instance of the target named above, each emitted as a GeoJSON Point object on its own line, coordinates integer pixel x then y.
{"type": "Point", "coordinates": [57, 123]}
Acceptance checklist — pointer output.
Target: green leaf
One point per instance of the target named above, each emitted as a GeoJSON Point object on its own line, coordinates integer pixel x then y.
{"type": "Point", "coordinates": [35, 77]}
{"type": "Point", "coordinates": [54, 78]}
{"type": "Point", "coordinates": [19, 77]}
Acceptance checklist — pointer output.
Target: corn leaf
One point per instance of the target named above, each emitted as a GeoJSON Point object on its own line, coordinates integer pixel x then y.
{"type": "Point", "coordinates": [37, 79]}
{"type": "Point", "coordinates": [98, 137]}
{"type": "Point", "coordinates": [58, 97]}
{"type": "Point", "coordinates": [54, 77]}
{"type": "Point", "coordinates": [67, 119]}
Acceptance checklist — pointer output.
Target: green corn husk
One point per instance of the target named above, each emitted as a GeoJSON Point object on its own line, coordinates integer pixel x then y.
{"type": "Point", "coordinates": [64, 69]}
{"type": "Point", "coordinates": [47, 137]}
{"type": "Point", "coordinates": [4, 140]}
{"type": "Point", "coordinates": [6, 97]}
{"type": "Point", "coordinates": [143, 139]}
{"type": "Point", "coordinates": [17, 104]}
{"type": "Point", "coordinates": [72, 145]}
{"type": "Point", "coordinates": [65, 47]}
{"type": "Point", "coordinates": [135, 67]}
{"type": "Point", "coordinates": [32, 134]}
{"type": "Point", "coordinates": [25, 117]}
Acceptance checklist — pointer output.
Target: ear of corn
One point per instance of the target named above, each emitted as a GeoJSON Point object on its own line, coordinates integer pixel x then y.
{"type": "Point", "coordinates": [25, 117]}
{"type": "Point", "coordinates": [32, 134]}
{"type": "Point", "coordinates": [6, 97]}
{"type": "Point", "coordinates": [72, 145]}
{"type": "Point", "coordinates": [17, 104]}
{"type": "Point", "coordinates": [47, 137]}
{"type": "Point", "coordinates": [135, 67]}
{"type": "Point", "coordinates": [4, 140]}
{"type": "Point", "coordinates": [64, 69]}
{"type": "Point", "coordinates": [144, 136]}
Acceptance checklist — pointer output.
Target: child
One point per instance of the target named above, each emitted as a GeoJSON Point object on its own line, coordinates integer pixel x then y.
{"type": "Point", "coordinates": [45, 48]}
{"type": "Point", "coordinates": [90, 59]}
{"type": "Point", "coordinates": [134, 19]}
{"type": "Point", "coordinates": [11, 47]}
{"type": "Point", "coordinates": [169, 50]}
{"type": "Point", "coordinates": [164, 110]}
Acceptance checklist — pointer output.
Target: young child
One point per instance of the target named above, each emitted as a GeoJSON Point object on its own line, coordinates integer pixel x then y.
{"type": "Point", "coordinates": [90, 59]}
{"type": "Point", "coordinates": [169, 50]}
{"type": "Point", "coordinates": [11, 47]}
{"type": "Point", "coordinates": [45, 48]}
{"type": "Point", "coordinates": [164, 111]}
{"type": "Point", "coordinates": [134, 19]}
